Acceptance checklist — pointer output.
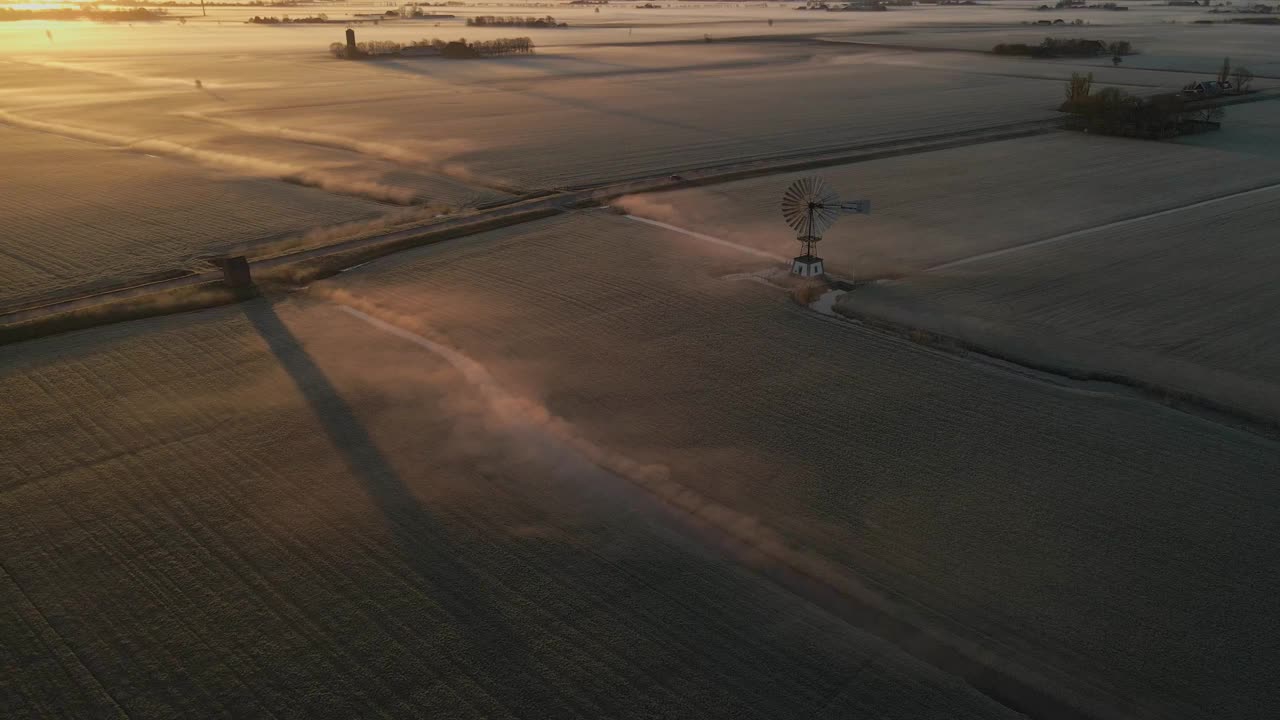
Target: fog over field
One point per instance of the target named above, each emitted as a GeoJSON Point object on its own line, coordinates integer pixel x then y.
{"type": "Point", "coordinates": [519, 413]}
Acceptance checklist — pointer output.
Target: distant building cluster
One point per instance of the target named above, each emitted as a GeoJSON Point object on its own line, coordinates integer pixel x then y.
{"type": "Point", "coordinates": [856, 6]}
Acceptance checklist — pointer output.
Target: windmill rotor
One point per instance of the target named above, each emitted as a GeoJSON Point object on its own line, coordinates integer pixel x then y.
{"type": "Point", "coordinates": [810, 206]}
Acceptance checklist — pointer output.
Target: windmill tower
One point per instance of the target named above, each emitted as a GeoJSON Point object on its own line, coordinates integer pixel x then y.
{"type": "Point", "coordinates": [810, 207]}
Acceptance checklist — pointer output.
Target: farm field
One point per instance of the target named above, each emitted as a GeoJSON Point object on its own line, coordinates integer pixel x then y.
{"type": "Point", "coordinates": [1167, 39]}
{"type": "Point", "coordinates": [589, 26]}
{"type": "Point", "coordinates": [593, 106]}
{"type": "Point", "coordinates": [1184, 300]}
{"type": "Point", "coordinates": [548, 132]}
{"type": "Point", "coordinates": [77, 214]}
{"type": "Point", "coordinates": [1129, 76]}
{"type": "Point", "coordinates": [936, 207]}
{"type": "Point", "coordinates": [288, 508]}
{"type": "Point", "coordinates": [553, 119]}
{"type": "Point", "coordinates": [239, 514]}
{"type": "Point", "coordinates": [606, 464]}
{"type": "Point", "coordinates": [378, 137]}
{"type": "Point", "coordinates": [1251, 128]}
{"type": "Point", "coordinates": [1000, 503]}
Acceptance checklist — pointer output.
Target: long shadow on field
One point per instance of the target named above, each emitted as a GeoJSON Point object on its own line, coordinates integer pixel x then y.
{"type": "Point", "coordinates": [493, 649]}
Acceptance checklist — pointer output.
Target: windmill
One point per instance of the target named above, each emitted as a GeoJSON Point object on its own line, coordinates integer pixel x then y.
{"type": "Point", "coordinates": [810, 206]}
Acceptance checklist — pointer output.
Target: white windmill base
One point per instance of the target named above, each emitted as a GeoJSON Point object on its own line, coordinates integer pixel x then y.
{"type": "Point", "coordinates": [807, 266]}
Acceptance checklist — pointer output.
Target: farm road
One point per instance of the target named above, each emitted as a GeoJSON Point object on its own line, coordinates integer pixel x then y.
{"type": "Point", "coordinates": [528, 207]}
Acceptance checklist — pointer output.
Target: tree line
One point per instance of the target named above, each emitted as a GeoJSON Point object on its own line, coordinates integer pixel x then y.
{"type": "Point", "coordinates": [286, 20]}
{"type": "Point", "coordinates": [372, 48]}
{"type": "Point", "coordinates": [1066, 47]}
{"type": "Point", "coordinates": [1237, 78]}
{"type": "Point", "coordinates": [451, 49]}
{"type": "Point", "coordinates": [1112, 111]}
{"type": "Point", "coordinates": [503, 46]}
{"type": "Point", "coordinates": [514, 21]}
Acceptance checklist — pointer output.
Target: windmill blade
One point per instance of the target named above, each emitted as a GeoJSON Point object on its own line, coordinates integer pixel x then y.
{"type": "Point", "coordinates": [826, 196]}
{"type": "Point", "coordinates": [810, 206]}
{"type": "Point", "coordinates": [824, 216]}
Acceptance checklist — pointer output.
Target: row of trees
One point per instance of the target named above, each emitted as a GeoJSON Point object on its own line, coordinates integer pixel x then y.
{"type": "Point", "coordinates": [1065, 47]}
{"type": "Point", "coordinates": [372, 48]}
{"type": "Point", "coordinates": [514, 21]}
{"type": "Point", "coordinates": [286, 20]}
{"type": "Point", "coordinates": [503, 46]}
{"type": "Point", "coordinates": [1240, 77]}
{"type": "Point", "coordinates": [483, 48]}
{"type": "Point", "coordinates": [452, 49]}
{"type": "Point", "coordinates": [1111, 111]}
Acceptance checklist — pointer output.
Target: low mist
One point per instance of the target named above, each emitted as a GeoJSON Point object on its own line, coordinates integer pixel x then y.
{"type": "Point", "coordinates": [430, 154]}
{"type": "Point", "coordinates": [257, 167]}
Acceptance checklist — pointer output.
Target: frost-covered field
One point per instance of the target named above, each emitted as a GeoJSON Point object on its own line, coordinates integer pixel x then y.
{"type": "Point", "coordinates": [1186, 300]}
{"type": "Point", "coordinates": [447, 508]}
{"type": "Point", "coordinates": [931, 208]}
{"type": "Point", "coordinates": [272, 107]}
{"type": "Point", "coordinates": [619, 94]}
{"type": "Point", "coordinates": [1253, 129]}
{"type": "Point", "coordinates": [75, 214]}
{"type": "Point", "coordinates": [291, 510]}
{"type": "Point", "coordinates": [238, 514]}
{"type": "Point", "coordinates": [567, 116]}
{"type": "Point", "coordinates": [113, 173]}
{"type": "Point", "coordinates": [1003, 504]}
{"type": "Point", "coordinates": [619, 114]}
{"type": "Point", "coordinates": [1167, 40]}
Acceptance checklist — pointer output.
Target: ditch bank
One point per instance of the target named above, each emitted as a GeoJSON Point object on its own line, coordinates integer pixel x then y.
{"type": "Point", "coordinates": [184, 291]}
{"type": "Point", "coordinates": [207, 290]}
{"type": "Point", "coordinates": [1215, 395]}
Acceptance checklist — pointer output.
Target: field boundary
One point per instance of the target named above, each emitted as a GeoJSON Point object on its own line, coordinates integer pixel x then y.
{"type": "Point", "coordinates": [109, 305]}
{"type": "Point", "coordinates": [1257, 420]}
{"type": "Point", "coordinates": [1062, 237]}
{"type": "Point", "coordinates": [205, 290]}
{"type": "Point", "coordinates": [1254, 418]}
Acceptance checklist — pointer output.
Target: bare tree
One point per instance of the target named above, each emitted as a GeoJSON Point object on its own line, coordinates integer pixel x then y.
{"type": "Point", "coordinates": [1078, 87]}
{"type": "Point", "coordinates": [1224, 72]}
{"type": "Point", "coordinates": [1242, 76]}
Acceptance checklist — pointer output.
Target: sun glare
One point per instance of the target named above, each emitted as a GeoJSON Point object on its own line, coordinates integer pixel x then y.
{"type": "Point", "coordinates": [40, 5]}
